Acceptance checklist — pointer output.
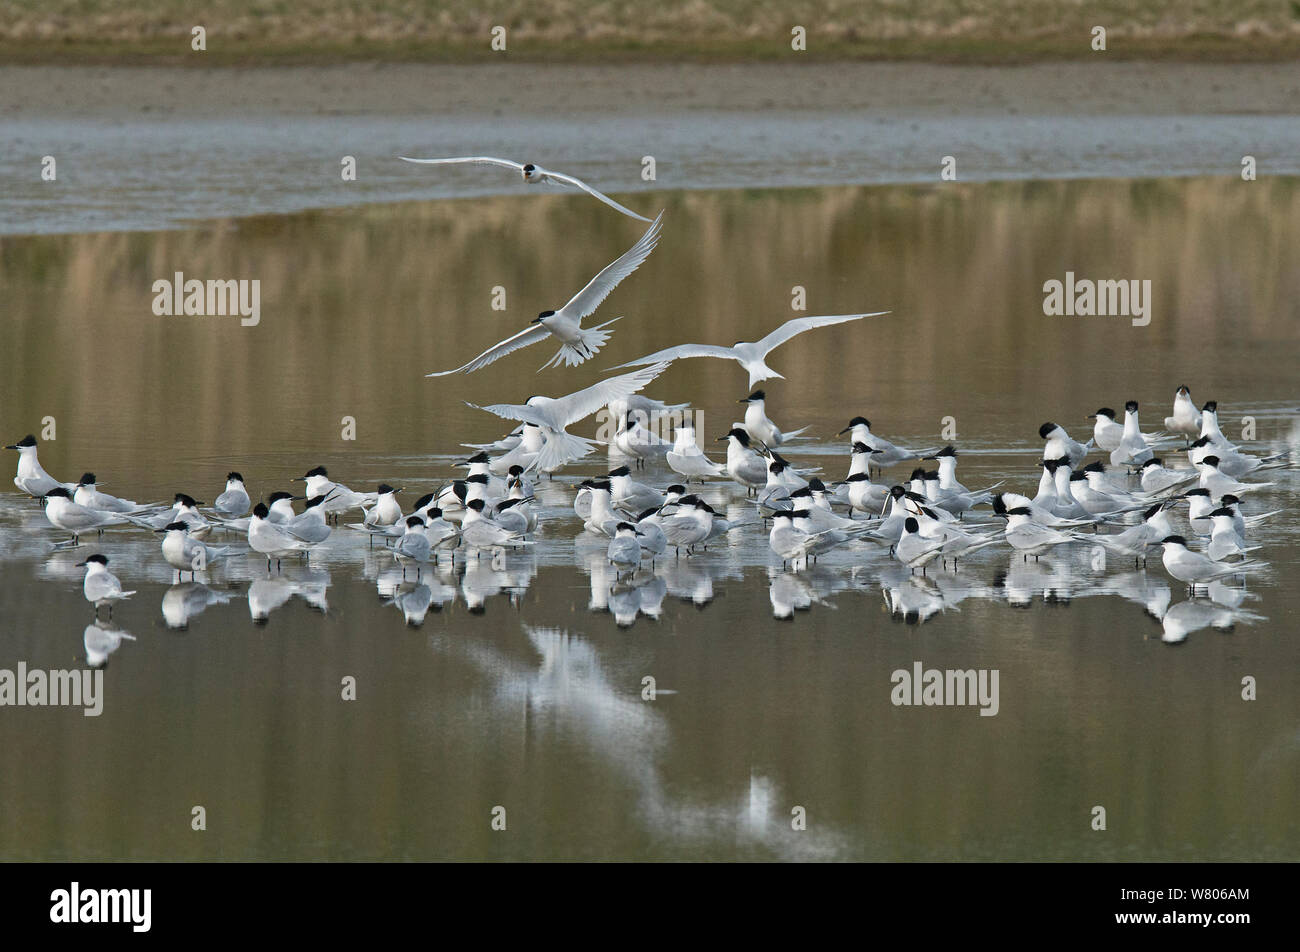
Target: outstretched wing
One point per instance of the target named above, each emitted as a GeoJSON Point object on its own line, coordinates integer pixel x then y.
{"type": "Point", "coordinates": [598, 288]}
{"type": "Point", "coordinates": [680, 352]}
{"type": "Point", "coordinates": [578, 183]}
{"type": "Point", "coordinates": [569, 410]}
{"type": "Point", "coordinates": [529, 335]}
{"type": "Point", "coordinates": [467, 160]}
{"type": "Point", "coordinates": [798, 325]}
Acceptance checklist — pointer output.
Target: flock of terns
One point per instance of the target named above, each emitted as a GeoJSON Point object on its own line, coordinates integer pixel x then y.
{"type": "Point", "coordinates": [1126, 503]}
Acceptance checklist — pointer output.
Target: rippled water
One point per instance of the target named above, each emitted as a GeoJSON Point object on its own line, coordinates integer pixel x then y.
{"type": "Point", "coordinates": [518, 682]}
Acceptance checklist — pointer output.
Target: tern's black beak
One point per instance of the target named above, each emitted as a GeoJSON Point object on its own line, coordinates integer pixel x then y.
{"type": "Point", "coordinates": [843, 431]}
{"type": "Point", "coordinates": [535, 320]}
{"type": "Point", "coordinates": [79, 564]}
{"type": "Point", "coordinates": [722, 439]}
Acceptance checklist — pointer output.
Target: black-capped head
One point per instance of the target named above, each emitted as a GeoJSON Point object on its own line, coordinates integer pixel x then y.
{"type": "Point", "coordinates": [234, 475]}
{"type": "Point", "coordinates": [414, 522]}
{"type": "Point", "coordinates": [277, 496]}
{"type": "Point", "coordinates": [739, 435]}
{"type": "Point", "coordinates": [648, 512]}
{"type": "Point", "coordinates": [425, 500]}
{"type": "Point", "coordinates": [87, 479]}
{"type": "Point", "coordinates": [753, 397]}
{"type": "Point", "coordinates": [856, 421]}
{"type": "Point", "coordinates": [479, 457]}
{"type": "Point", "coordinates": [1228, 499]}
{"type": "Point", "coordinates": [1095, 467]}
{"type": "Point", "coordinates": [318, 471]}
{"type": "Point", "coordinates": [600, 484]}
{"type": "Point", "coordinates": [625, 527]}
{"type": "Point", "coordinates": [516, 470]}
{"type": "Point", "coordinates": [948, 450]}
{"type": "Point", "coordinates": [1224, 511]}
{"type": "Point", "coordinates": [898, 492]}
{"type": "Point", "coordinates": [475, 504]}
{"type": "Point", "coordinates": [22, 444]}
{"type": "Point", "coordinates": [1078, 477]}
{"type": "Point", "coordinates": [96, 558]}
{"type": "Point", "coordinates": [1210, 460]}
{"type": "Point", "coordinates": [1047, 429]}
{"type": "Point", "coordinates": [858, 478]}
{"type": "Point", "coordinates": [479, 479]}
{"type": "Point", "coordinates": [1153, 461]}
{"type": "Point", "coordinates": [1131, 406]}
{"type": "Point", "coordinates": [1152, 511]}
{"type": "Point", "coordinates": [434, 512]}
{"type": "Point", "coordinates": [1211, 406]}
{"type": "Point", "coordinates": [801, 493]}
{"type": "Point", "coordinates": [911, 525]}
{"type": "Point", "coordinates": [59, 491]}
{"type": "Point", "coordinates": [1197, 492]}
{"type": "Point", "coordinates": [543, 316]}
{"type": "Point", "coordinates": [1174, 540]}
{"type": "Point", "coordinates": [385, 488]}
{"type": "Point", "coordinates": [932, 476]}
{"type": "Point", "coordinates": [918, 473]}
{"type": "Point", "coordinates": [816, 485]}
{"type": "Point", "coordinates": [260, 511]}
{"type": "Point", "coordinates": [315, 501]}
{"type": "Point", "coordinates": [1106, 412]}
{"type": "Point", "coordinates": [1201, 441]}
{"type": "Point", "coordinates": [621, 471]}
{"type": "Point", "coordinates": [1183, 391]}
{"type": "Point", "coordinates": [175, 527]}
{"type": "Point", "coordinates": [530, 167]}
{"type": "Point", "coordinates": [677, 488]}
{"type": "Point", "coordinates": [690, 500]}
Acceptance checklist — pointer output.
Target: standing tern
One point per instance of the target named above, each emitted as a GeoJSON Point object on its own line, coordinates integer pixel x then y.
{"type": "Point", "coordinates": [272, 539]}
{"type": "Point", "coordinates": [101, 587]}
{"type": "Point", "coordinates": [752, 355]}
{"type": "Point", "coordinates": [1186, 420]}
{"type": "Point", "coordinates": [186, 554]}
{"type": "Point", "coordinates": [533, 175]}
{"type": "Point", "coordinates": [758, 426]}
{"type": "Point", "coordinates": [576, 342]}
{"type": "Point", "coordinates": [884, 453]}
{"type": "Point", "coordinates": [31, 478]}
{"type": "Point", "coordinates": [63, 513]}
{"type": "Point", "coordinates": [554, 414]}
{"type": "Point", "coordinates": [87, 494]}
{"type": "Point", "coordinates": [687, 459]}
{"type": "Point", "coordinates": [234, 501]}
{"type": "Point", "coordinates": [1195, 568]}
{"type": "Point", "coordinates": [1059, 444]}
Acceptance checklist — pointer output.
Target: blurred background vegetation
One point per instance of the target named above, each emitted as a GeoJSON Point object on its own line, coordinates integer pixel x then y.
{"type": "Point", "coordinates": [313, 31]}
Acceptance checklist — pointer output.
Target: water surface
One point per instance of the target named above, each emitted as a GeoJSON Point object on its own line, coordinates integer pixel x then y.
{"type": "Point", "coordinates": [519, 682]}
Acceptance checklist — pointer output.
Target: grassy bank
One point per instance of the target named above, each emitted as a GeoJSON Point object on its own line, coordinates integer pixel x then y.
{"type": "Point", "coordinates": [323, 31]}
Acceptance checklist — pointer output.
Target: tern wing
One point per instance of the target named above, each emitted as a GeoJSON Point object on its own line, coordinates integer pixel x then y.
{"type": "Point", "coordinates": [528, 336]}
{"type": "Point", "coordinates": [798, 325]}
{"type": "Point", "coordinates": [598, 288]}
{"type": "Point", "coordinates": [680, 352]}
{"type": "Point", "coordinates": [576, 406]}
{"type": "Point", "coordinates": [538, 416]}
{"type": "Point", "coordinates": [578, 183]}
{"type": "Point", "coordinates": [468, 160]}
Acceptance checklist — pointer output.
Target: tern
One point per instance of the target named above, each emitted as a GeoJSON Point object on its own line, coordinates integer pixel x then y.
{"type": "Point", "coordinates": [629, 494]}
{"type": "Point", "coordinates": [752, 355]}
{"type": "Point", "coordinates": [234, 501]}
{"type": "Point", "coordinates": [1186, 420]}
{"type": "Point", "coordinates": [1225, 541]}
{"type": "Point", "coordinates": [690, 525]}
{"type": "Point", "coordinates": [532, 174]}
{"type": "Point", "coordinates": [624, 550]}
{"type": "Point", "coordinates": [1031, 538]}
{"type": "Point", "coordinates": [744, 463]}
{"type": "Point", "coordinates": [1210, 425]}
{"type": "Point", "coordinates": [687, 459]}
{"type": "Point", "coordinates": [63, 513]}
{"type": "Point", "coordinates": [101, 587]}
{"type": "Point", "coordinates": [1157, 479]}
{"type": "Point", "coordinates": [790, 542]}
{"type": "Point", "coordinates": [87, 494]}
{"type": "Point", "coordinates": [758, 426]}
{"type": "Point", "coordinates": [479, 532]}
{"type": "Point", "coordinates": [272, 539]}
{"type": "Point", "coordinates": [31, 478]}
{"type": "Point", "coordinates": [413, 546]}
{"type": "Point", "coordinates": [1058, 444]}
{"type": "Point", "coordinates": [186, 554]}
{"type": "Point", "coordinates": [553, 415]}
{"type": "Point", "coordinates": [1219, 483]}
{"type": "Point", "coordinates": [884, 453]}
{"type": "Point", "coordinates": [1195, 568]}
{"type": "Point", "coordinates": [341, 499]}
{"type": "Point", "coordinates": [577, 343]}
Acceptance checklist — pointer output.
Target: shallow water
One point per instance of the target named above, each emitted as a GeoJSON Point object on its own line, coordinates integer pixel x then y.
{"type": "Point", "coordinates": [522, 684]}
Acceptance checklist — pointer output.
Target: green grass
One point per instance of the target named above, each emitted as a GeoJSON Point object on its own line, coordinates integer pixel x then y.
{"type": "Point", "coordinates": [243, 32]}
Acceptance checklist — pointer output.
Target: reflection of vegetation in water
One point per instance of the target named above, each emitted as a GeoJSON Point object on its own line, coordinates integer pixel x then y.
{"type": "Point", "coordinates": [359, 304]}
{"type": "Point", "coordinates": [317, 30]}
